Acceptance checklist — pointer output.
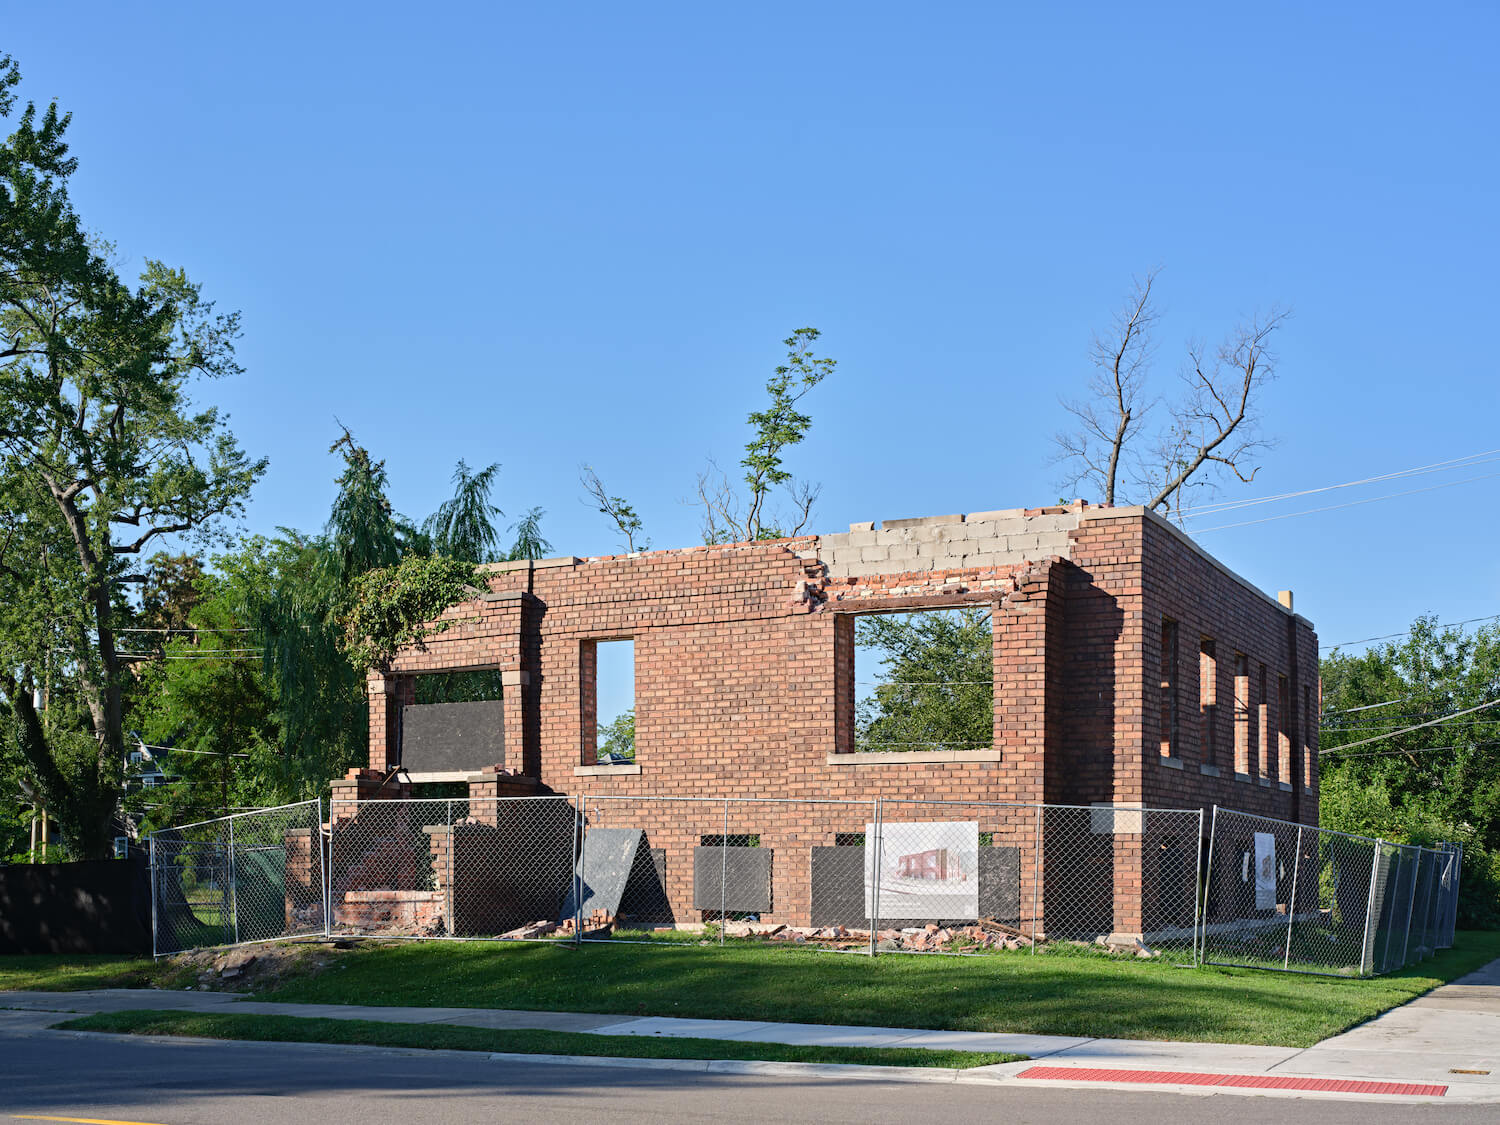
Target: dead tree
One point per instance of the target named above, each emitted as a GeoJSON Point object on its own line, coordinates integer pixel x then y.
{"type": "Point", "coordinates": [1210, 431]}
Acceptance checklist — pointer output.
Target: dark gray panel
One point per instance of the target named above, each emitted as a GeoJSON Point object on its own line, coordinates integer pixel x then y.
{"type": "Point", "coordinates": [441, 737]}
{"type": "Point", "coordinates": [1000, 884]}
{"type": "Point", "coordinates": [838, 886]}
{"type": "Point", "coordinates": [744, 872]}
{"type": "Point", "coordinates": [609, 856]}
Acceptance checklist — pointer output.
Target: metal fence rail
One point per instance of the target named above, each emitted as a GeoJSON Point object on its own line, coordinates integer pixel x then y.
{"type": "Point", "coordinates": [253, 876]}
{"type": "Point", "coordinates": [1281, 895]}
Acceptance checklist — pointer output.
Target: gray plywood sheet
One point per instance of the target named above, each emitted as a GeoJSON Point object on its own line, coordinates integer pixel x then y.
{"type": "Point", "coordinates": [608, 860]}
{"type": "Point", "coordinates": [745, 874]}
{"type": "Point", "coordinates": [443, 737]}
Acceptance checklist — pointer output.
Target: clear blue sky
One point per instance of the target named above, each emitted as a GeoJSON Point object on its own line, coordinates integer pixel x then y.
{"type": "Point", "coordinates": [542, 236]}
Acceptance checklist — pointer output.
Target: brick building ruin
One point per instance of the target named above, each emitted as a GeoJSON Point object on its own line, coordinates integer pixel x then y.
{"type": "Point", "coordinates": [1130, 669]}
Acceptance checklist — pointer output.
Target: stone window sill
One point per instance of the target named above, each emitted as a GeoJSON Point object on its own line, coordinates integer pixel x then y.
{"type": "Point", "coordinates": [1245, 777]}
{"type": "Point", "coordinates": [1208, 770]}
{"type": "Point", "coordinates": [1171, 763]}
{"type": "Point", "coordinates": [914, 757]}
{"type": "Point", "coordinates": [1265, 783]}
{"type": "Point", "coordinates": [613, 769]}
{"type": "Point", "coordinates": [1285, 786]}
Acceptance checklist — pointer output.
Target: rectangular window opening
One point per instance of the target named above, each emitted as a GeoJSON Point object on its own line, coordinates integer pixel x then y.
{"type": "Point", "coordinates": [1263, 728]}
{"type": "Point", "coordinates": [1168, 721]}
{"type": "Point", "coordinates": [607, 695]}
{"type": "Point", "coordinates": [1283, 732]}
{"type": "Point", "coordinates": [1241, 714]}
{"type": "Point", "coordinates": [1309, 740]}
{"type": "Point", "coordinates": [924, 680]}
{"type": "Point", "coordinates": [733, 840]}
{"type": "Point", "coordinates": [1208, 699]}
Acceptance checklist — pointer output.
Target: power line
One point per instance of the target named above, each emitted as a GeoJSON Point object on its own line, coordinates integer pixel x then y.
{"type": "Point", "coordinates": [1425, 750]}
{"type": "Point", "coordinates": [1393, 636]}
{"type": "Point", "coordinates": [1222, 506]}
{"type": "Point", "coordinates": [1349, 504]}
{"type": "Point", "coordinates": [1419, 726]}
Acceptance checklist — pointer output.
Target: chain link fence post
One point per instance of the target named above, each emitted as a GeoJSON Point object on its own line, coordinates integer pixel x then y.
{"type": "Point", "coordinates": [151, 848]}
{"type": "Point", "coordinates": [1198, 886]}
{"type": "Point", "coordinates": [325, 864]}
{"type": "Point", "coordinates": [1291, 901]}
{"type": "Point", "coordinates": [1367, 953]}
{"type": "Point", "coordinates": [578, 870]}
{"type": "Point", "coordinates": [1036, 883]}
{"type": "Point", "coordinates": [233, 897]}
{"type": "Point", "coordinates": [875, 861]}
{"type": "Point", "coordinates": [1208, 882]}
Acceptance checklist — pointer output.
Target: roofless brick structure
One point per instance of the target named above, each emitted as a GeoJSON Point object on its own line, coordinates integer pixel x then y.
{"type": "Point", "coordinates": [1130, 667]}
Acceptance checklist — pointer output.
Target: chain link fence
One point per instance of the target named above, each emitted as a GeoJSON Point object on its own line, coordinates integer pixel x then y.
{"type": "Point", "coordinates": [887, 875]}
{"type": "Point", "coordinates": [1280, 895]}
{"type": "Point", "coordinates": [254, 876]}
{"type": "Point", "coordinates": [453, 868]}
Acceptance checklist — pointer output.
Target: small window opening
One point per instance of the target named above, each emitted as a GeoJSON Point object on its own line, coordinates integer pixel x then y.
{"type": "Point", "coordinates": [924, 680]}
{"type": "Point", "coordinates": [479, 686]}
{"type": "Point", "coordinates": [1241, 714]}
{"type": "Point", "coordinates": [1283, 731]}
{"type": "Point", "coordinates": [734, 840]}
{"type": "Point", "coordinates": [1263, 727]}
{"type": "Point", "coordinates": [1309, 754]}
{"type": "Point", "coordinates": [1208, 699]}
{"type": "Point", "coordinates": [609, 700]}
{"type": "Point", "coordinates": [849, 839]}
{"type": "Point", "coordinates": [1168, 734]}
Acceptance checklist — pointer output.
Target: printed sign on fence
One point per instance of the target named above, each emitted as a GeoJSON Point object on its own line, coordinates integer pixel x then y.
{"type": "Point", "coordinates": [1265, 871]}
{"type": "Point", "coordinates": [928, 870]}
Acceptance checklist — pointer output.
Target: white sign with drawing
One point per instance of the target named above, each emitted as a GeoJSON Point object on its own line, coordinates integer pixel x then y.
{"type": "Point", "coordinates": [928, 870]}
{"type": "Point", "coordinates": [1265, 871]}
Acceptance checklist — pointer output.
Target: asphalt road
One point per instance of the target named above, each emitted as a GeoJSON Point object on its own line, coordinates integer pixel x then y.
{"type": "Point", "coordinates": [172, 1083]}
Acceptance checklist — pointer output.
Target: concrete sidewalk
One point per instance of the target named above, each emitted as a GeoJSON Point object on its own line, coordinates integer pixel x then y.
{"type": "Point", "coordinates": [1429, 1041]}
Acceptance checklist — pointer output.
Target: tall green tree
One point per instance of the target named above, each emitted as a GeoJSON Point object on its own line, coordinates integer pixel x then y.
{"type": "Point", "coordinates": [1439, 782]}
{"type": "Point", "coordinates": [103, 454]}
{"type": "Point", "coordinates": [463, 527]}
{"type": "Point", "coordinates": [934, 686]}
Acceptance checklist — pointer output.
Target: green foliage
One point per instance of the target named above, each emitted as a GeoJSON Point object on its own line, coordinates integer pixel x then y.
{"type": "Point", "coordinates": [617, 737]}
{"type": "Point", "coordinates": [1438, 783]}
{"type": "Point", "coordinates": [397, 605]}
{"type": "Point", "coordinates": [728, 517]}
{"type": "Point", "coordinates": [617, 508]}
{"type": "Point", "coordinates": [530, 543]}
{"type": "Point", "coordinates": [463, 527]}
{"type": "Point", "coordinates": [102, 453]}
{"type": "Point", "coordinates": [936, 691]}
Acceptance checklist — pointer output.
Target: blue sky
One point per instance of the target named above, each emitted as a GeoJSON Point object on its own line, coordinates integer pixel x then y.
{"type": "Point", "coordinates": [543, 237]}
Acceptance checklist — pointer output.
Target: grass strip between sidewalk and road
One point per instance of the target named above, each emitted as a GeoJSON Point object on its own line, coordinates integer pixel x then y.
{"type": "Point", "coordinates": [449, 1037]}
{"type": "Point", "coordinates": [1063, 991]}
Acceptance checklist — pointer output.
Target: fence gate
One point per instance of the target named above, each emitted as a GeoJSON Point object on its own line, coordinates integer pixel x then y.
{"type": "Point", "coordinates": [1288, 896]}
{"type": "Point", "coordinates": [254, 876]}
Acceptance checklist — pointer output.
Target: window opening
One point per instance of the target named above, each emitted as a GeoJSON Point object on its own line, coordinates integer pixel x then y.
{"type": "Point", "coordinates": [614, 701]}
{"type": "Point", "coordinates": [924, 680]}
{"type": "Point", "coordinates": [733, 840]}
{"type": "Point", "coordinates": [1263, 727]}
{"type": "Point", "coordinates": [1208, 699]}
{"type": "Point", "coordinates": [1309, 755]}
{"type": "Point", "coordinates": [1283, 733]}
{"type": "Point", "coordinates": [480, 686]}
{"type": "Point", "coordinates": [1241, 714]}
{"type": "Point", "coordinates": [1168, 688]}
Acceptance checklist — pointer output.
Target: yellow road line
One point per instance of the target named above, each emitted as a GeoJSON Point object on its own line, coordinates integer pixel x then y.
{"type": "Point", "coordinates": [84, 1120]}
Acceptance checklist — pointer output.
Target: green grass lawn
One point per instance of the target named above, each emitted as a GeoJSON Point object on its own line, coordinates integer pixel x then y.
{"type": "Point", "coordinates": [445, 1037]}
{"type": "Point", "coordinates": [1073, 992]}
{"type": "Point", "coordinates": [75, 971]}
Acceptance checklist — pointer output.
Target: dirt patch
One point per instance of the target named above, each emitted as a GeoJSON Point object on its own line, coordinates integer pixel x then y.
{"type": "Point", "coordinates": [252, 968]}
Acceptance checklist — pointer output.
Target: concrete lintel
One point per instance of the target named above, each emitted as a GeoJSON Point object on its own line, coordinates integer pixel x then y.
{"type": "Point", "coordinates": [505, 596]}
{"type": "Point", "coordinates": [528, 564]}
{"type": "Point", "coordinates": [520, 678]}
{"type": "Point", "coordinates": [608, 769]}
{"type": "Point", "coordinates": [914, 757]}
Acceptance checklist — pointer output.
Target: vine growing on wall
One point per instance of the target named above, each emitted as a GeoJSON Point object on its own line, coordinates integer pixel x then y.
{"type": "Point", "coordinates": [399, 605]}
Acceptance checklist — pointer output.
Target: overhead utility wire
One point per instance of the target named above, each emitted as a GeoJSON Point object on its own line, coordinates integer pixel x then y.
{"type": "Point", "coordinates": [1349, 504]}
{"type": "Point", "coordinates": [1392, 636]}
{"type": "Point", "coordinates": [1430, 723]}
{"type": "Point", "coordinates": [1219, 507]}
{"type": "Point", "coordinates": [1424, 750]}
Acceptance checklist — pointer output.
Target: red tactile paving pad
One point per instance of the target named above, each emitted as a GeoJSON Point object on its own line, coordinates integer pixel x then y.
{"type": "Point", "coordinates": [1243, 1081]}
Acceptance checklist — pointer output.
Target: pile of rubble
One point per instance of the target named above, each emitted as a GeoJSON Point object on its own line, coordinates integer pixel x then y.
{"type": "Point", "coordinates": [599, 923]}
{"type": "Point", "coordinates": [987, 933]}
